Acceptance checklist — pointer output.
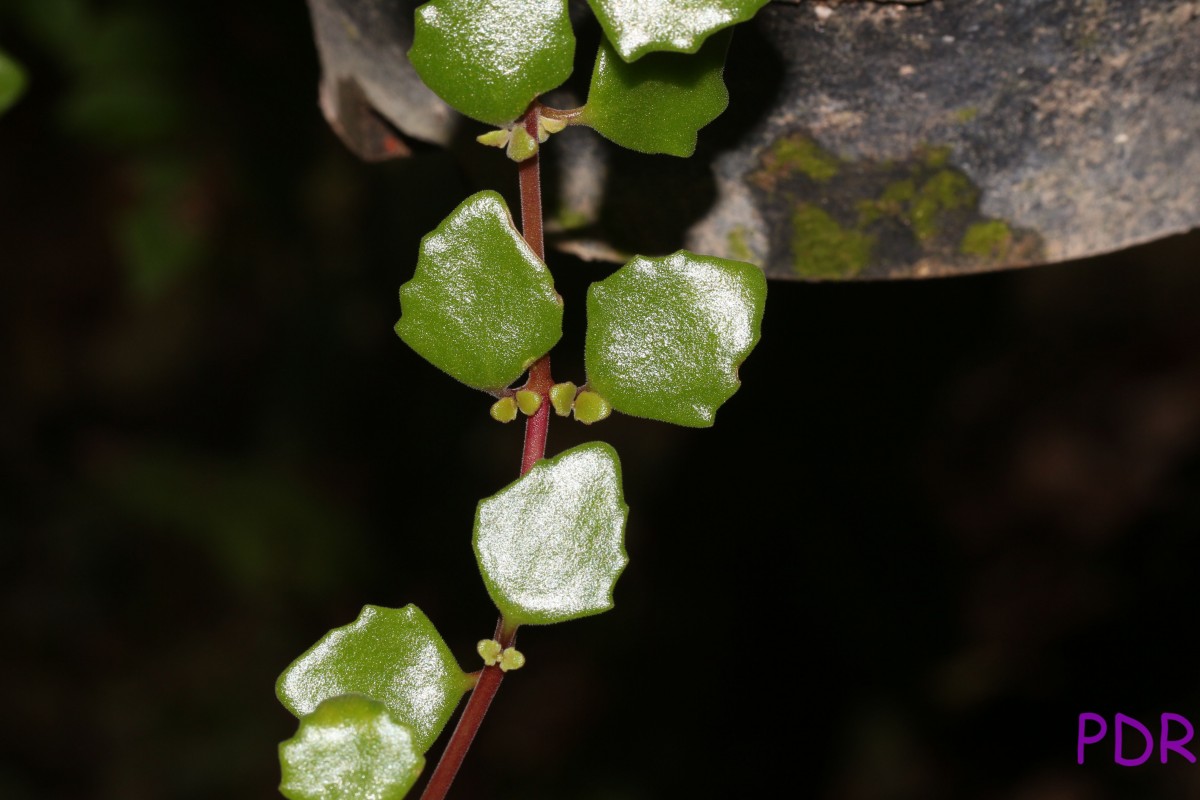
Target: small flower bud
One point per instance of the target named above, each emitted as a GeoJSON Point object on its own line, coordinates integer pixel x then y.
{"type": "Point", "coordinates": [504, 410]}
{"type": "Point", "coordinates": [496, 138]}
{"type": "Point", "coordinates": [521, 146]}
{"type": "Point", "coordinates": [511, 659]}
{"type": "Point", "coordinates": [549, 125]}
{"type": "Point", "coordinates": [490, 651]}
{"type": "Point", "coordinates": [529, 402]}
{"type": "Point", "coordinates": [591, 407]}
{"type": "Point", "coordinates": [562, 397]}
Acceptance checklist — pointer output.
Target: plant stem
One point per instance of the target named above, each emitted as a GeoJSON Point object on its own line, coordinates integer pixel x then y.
{"type": "Point", "coordinates": [536, 428]}
{"type": "Point", "coordinates": [529, 173]}
{"type": "Point", "coordinates": [468, 724]}
{"type": "Point", "coordinates": [538, 425]}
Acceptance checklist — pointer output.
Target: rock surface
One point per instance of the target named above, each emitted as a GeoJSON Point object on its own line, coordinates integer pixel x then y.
{"type": "Point", "coordinates": [873, 140]}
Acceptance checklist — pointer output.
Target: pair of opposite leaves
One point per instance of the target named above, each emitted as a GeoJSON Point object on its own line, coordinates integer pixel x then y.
{"type": "Point", "coordinates": [372, 696]}
{"type": "Point", "coordinates": [490, 60]}
{"type": "Point", "coordinates": [664, 338]}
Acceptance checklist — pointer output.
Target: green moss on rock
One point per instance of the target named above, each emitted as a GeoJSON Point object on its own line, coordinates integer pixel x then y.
{"type": "Point", "coordinates": [990, 240]}
{"type": "Point", "coordinates": [801, 154]}
{"type": "Point", "coordinates": [840, 218]}
{"type": "Point", "coordinates": [896, 195]}
{"type": "Point", "coordinates": [821, 248]}
{"type": "Point", "coordinates": [946, 190]}
{"type": "Point", "coordinates": [965, 114]}
{"type": "Point", "coordinates": [936, 157]}
{"type": "Point", "coordinates": [893, 201]}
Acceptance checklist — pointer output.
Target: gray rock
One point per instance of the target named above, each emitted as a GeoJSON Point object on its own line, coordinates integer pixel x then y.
{"type": "Point", "coordinates": [871, 140]}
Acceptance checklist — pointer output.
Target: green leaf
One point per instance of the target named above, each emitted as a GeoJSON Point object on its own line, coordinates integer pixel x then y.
{"type": "Point", "coordinates": [349, 748]}
{"type": "Point", "coordinates": [490, 60]}
{"type": "Point", "coordinates": [393, 655]}
{"type": "Point", "coordinates": [665, 335]}
{"type": "Point", "coordinates": [550, 546]}
{"type": "Point", "coordinates": [657, 104]}
{"type": "Point", "coordinates": [638, 27]}
{"type": "Point", "coordinates": [482, 305]}
{"type": "Point", "coordinates": [12, 81]}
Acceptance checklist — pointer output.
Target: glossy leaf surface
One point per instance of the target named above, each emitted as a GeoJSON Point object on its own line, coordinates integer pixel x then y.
{"type": "Point", "coordinates": [658, 103]}
{"type": "Point", "coordinates": [12, 81]}
{"type": "Point", "coordinates": [637, 27]}
{"type": "Point", "coordinates": [665, 335]}
{"type": "Point", "coordinates": [490, 59]}
{"type": "Point", "coordinates": [481, 305]}
{"type": "Point", "coordinates": [550, 546]}
{"type": "Point", "coordinates": [349, 748]}
{"type": "Point", "coordinates": [393, 655]}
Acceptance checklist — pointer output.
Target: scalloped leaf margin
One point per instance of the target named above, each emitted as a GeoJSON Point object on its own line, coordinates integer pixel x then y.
{"type": "Point", "coordinates": [638, 27]}
{"type": "Point", "coordinates": [489, 60]}
{"type": "Point", "coordinates": [665, 336]}
{"type": "Point", "coordinates": [659, 103]}
{"type": "Point", "coordinates": [392, 655]}
{"type": "Point", "coordinates": [350, 746]}
{"type": "Point", "coordinates": [551, 545]}
{"type": "Point", "coordinates": [481, 305]}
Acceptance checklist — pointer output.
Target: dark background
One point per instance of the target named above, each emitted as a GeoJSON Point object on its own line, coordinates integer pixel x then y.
{"type": "Point", "coordinates": [939, 521]}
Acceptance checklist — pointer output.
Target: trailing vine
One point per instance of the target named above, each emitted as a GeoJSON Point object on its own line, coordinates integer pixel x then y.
{"type": "Point", "coordinates": [665, 336]}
